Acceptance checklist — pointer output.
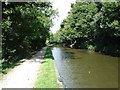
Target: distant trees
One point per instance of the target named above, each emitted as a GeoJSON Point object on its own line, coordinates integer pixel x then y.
{"type": "Point", "coordinates": [25, 27]}
{"type": "Point", "coordinates": [92, 25]}
{"type": "Point", "coordinates": [50, 39]}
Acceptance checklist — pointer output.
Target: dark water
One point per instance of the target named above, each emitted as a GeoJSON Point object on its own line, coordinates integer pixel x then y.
{"type": "Point", "coordinates": [86, 69]}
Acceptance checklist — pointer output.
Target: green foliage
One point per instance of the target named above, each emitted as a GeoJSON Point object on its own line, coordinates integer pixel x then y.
{"type": "Point", "coordinates": [50, 39]}
{"type": "Point", "coordinates": [93, 25]}
{"type": "Point", "coordinates": [108, 29]}
{"type": "Point", "coordinates": [91, 47]}
{"type": "Point", "coordinates": [25, 27]}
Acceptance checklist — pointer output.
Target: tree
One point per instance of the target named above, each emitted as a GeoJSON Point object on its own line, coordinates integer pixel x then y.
{"type": "Point", "coordinates": [92, 25]}
{"type": "Point", "coordinates": [25, 27]}
{"type": "Point", "coordinates": [108, 28]}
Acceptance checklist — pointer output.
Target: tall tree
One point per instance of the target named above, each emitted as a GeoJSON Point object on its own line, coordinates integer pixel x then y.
{"type": "Point", "coordinates": [25, 27]}
{"type": "Point", "coordinates": [92, 25]}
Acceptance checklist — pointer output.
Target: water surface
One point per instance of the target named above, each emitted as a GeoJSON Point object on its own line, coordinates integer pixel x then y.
{"type": "Point", "coordinates": [80, 68]}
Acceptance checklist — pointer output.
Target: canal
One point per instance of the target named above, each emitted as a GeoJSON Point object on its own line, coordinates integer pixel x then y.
{"type": "Point", "coordinates": [81, 68]}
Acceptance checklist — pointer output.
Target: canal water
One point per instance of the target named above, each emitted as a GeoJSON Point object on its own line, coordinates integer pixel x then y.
{"type": "Point", "coordinates": [81, 68]}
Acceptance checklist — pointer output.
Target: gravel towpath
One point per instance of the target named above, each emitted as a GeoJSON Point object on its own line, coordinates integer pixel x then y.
{"type": "Point", "coordinates": [24, 75]}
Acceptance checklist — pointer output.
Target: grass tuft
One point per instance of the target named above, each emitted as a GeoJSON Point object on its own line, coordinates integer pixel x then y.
{"type": "Point", "coordinates": [47, 75]}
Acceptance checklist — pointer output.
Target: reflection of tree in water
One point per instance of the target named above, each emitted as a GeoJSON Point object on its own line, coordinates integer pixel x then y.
{"type": "Point", "coordinates": [68, 56]}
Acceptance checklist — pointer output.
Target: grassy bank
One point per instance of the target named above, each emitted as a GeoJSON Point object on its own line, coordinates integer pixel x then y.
{"type": "Point", "coordinates": [47, 75]}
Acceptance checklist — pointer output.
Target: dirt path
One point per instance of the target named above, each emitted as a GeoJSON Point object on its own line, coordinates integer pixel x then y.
{"type": "Point", "coordinates": [24, 75]}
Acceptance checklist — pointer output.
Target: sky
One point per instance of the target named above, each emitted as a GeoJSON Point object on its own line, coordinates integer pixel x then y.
{"type": "Point", "coordinates": [63, 7]}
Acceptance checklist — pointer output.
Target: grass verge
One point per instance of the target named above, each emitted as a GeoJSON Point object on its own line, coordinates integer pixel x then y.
{"type": "Point", "coordinates": [47, 75]}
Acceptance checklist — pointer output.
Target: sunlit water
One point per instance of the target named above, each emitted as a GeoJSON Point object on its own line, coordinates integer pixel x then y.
{"type": "Point", "coordinates": [80, 68]}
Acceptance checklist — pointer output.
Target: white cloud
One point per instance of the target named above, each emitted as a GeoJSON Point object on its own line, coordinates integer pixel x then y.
{"type": "Point", "coordinates": [63, 7]}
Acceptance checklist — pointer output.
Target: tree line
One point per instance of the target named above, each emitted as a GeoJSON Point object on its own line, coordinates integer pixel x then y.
{"type": "Point", "coordinates": [25, 28]}
{"type": "Point", "coordinates": [92, 25]}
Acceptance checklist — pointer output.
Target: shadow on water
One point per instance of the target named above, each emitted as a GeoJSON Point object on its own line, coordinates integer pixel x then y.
{"type": "Point", "coordinates": [81, 68]}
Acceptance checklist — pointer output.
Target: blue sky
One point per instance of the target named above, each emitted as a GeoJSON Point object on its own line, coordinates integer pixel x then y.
{"type": "Point", "coordinates": [63, 7]}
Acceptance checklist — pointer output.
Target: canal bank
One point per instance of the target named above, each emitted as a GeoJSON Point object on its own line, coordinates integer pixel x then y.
{"type": "Point", "coordinates": [80, 68]}
{"type": "Point", "coordinates": [59, 79]}
{"type": "Point", "coordinates": [47, 77]}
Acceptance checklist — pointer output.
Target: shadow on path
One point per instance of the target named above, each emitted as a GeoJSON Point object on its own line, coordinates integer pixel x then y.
{"type": "Point", "coordinates": [39, 56]}
{"type": "Point", "coordinates": [24, 75]}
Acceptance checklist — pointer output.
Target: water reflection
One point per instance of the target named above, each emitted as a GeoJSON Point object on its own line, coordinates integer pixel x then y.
{"type": "Point", "coordinates": [86, 69]}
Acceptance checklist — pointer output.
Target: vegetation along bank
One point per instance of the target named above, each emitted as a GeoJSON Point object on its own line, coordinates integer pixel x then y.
{"type": "Point", "coordinates": [92, 25]}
